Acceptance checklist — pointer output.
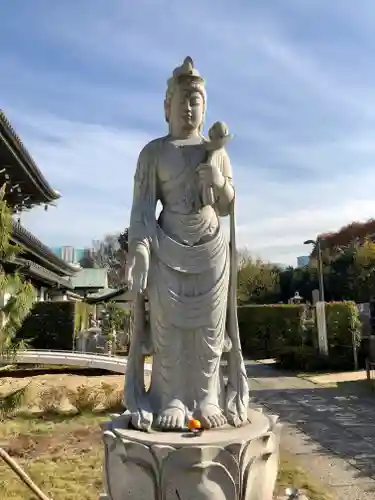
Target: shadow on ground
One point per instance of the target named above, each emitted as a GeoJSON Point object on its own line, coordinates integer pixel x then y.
{"type": "Point", "coordinates": [337, 420]}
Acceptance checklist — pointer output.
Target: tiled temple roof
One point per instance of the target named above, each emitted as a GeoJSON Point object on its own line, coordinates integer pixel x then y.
{"type": "Point", "coordinates": [33, 245]}
{"type": "Point", "coordinates": [37, 271]}
{"type": "Point", "coordinates": [18, 168]}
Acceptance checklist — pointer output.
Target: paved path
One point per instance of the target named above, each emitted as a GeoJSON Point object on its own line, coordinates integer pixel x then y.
{"type": "Point", "coordinates": [331, 430]}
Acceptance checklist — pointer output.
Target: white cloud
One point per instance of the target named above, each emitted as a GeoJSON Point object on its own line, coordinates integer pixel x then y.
{"type": "Point", "coordinates": [93, 167]}
{"type": "Point", "coordinates": [303, 156]}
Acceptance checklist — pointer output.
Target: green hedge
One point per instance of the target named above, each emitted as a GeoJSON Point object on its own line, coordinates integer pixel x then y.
{"type": "Point", "coordinates": [343, 324]}
{"type": "Point", "coordinates": [82, 312]}
{"type": "Point", "coordinates": [280, 331]}
{"type": "Point", "coordinates": [343, 328]}
{"type": "Point", "coordinates": [264, 329]}
{"type": "Point", "coordinates": [52, 325]}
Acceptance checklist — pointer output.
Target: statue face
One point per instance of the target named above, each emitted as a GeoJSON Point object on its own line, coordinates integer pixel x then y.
{"type": "Point", "coordinates": [186, 108]}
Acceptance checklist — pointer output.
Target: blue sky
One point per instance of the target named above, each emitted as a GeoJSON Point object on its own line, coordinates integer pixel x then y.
{"type": "Point", "coordinates": [83, 83]}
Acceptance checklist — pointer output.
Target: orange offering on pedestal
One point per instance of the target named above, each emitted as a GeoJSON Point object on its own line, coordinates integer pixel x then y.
{"type": "Point", "coordinates": [194, 425]}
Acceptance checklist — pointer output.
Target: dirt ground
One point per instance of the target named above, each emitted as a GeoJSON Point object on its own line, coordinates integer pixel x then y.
{"type": "Point", "coordinates": [65, 458]}
{"type": "Point", "coordinates": [40, 382]}
{"type": "Point", "coordinates": [64, 454]}
{"type": "Point", "coordinates": [78, 440]}
{"type": "Point", "coordinates": [41, 388]}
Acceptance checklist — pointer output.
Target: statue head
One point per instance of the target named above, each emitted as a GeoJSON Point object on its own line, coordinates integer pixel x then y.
{"type": "Point", "coordinates": [185, 101]}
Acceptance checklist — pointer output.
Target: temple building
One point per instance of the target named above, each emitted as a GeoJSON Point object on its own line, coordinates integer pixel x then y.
{"type": "Point", "coordinates": [89, 281]}
{"type": "Point", "coordinates": [26, 188]}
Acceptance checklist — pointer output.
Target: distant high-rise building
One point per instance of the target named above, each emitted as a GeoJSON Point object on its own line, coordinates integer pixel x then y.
{"type": "Point", "coordinates": [79, 254]}
{"type": "Point", "coordinates": [70, 254]}
{"type": "Point", "coordinates": [303, 260]}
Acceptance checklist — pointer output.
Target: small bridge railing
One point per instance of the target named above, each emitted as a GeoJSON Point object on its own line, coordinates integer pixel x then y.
{"type": "Point", "coordinates": [103, 361]}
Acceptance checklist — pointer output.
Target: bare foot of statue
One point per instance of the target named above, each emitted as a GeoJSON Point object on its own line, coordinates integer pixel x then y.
{"type": "Point", "coordinates": [210, 416]}
{"type": "Point", "coordinates": [141, 420]}
{"type": "Point", "coordinates": [172, 418]}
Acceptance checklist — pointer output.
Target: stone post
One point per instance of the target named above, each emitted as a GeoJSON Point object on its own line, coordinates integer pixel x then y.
{"type": "Point", "coordinates": [322, 327]}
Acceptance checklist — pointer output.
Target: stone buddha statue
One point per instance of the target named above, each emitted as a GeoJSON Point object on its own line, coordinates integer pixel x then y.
{"type": "Point", "coordinates": [186, 267]}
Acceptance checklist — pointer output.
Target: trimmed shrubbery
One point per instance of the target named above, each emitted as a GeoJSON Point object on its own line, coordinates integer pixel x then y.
{"type": "Point", "coordinates": [52, 325]}
{"type": "Point", "coordinates": [285, 332]}
{"type": "Point", "coordinates": [82, 312]}
{"type": "Point", "coordinates": [264, 329]}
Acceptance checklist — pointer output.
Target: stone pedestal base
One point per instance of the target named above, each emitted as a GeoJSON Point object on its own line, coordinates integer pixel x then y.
{"type": "Point", "coordinates": [222, 464]}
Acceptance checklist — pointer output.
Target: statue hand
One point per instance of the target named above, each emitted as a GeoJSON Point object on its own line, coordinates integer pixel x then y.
{"type": "Point", "coordinates": [210, 175]}
{"type": "Point", "coordinates": [136, 272]}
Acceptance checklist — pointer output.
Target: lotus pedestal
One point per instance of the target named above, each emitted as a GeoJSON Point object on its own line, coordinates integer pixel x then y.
{"type": "Point", "coordinates": [223, 464]}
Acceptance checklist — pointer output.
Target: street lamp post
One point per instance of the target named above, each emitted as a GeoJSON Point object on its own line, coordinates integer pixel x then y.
{"type": "Point", "coordinates": [318, 246]}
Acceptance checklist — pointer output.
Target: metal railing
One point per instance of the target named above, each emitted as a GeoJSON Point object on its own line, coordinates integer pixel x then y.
{"type": "Point", "coordinates": [103, 361]}
{"type": "Point", "coordinates": [69, 353]}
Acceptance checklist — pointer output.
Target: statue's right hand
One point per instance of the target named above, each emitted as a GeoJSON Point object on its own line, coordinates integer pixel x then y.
{"type": "Point", "coordinates": [136, 271]}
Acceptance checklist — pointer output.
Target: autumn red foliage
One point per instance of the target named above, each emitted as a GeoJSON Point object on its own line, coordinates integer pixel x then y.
{"type": "Point", "coordinates": [355, 231]}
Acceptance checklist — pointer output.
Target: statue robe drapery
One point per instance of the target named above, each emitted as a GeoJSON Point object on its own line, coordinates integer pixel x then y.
{"type": "Point", "coordinates": [186, 261]}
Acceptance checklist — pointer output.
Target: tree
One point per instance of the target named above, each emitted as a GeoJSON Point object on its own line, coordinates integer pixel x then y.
{"type": "Point", "coordinates": [340, 274]}
{"type": "Point", "coordinates": [21, 296]}
{"type": "Point", "coordinates": [88, 260]}
{"type": "Point", "coordinates": [257, 281]}
{"type": "Point", "coordinates": [355, 232]}
{"type": "Point", "coordinates": [123, 240]}
{"type": "Point", "coordinates": [302, 280]}
{"type": "Point", "coordinates": [348, 272]}
{"type": "Point", "coordinates": [109, 253]}
{"type": "Point", "coordinates": [364, 266]}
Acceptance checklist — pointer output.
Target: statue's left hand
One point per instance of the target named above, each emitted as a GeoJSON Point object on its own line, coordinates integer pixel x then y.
{"type": "Point", "coordinates": [137, 267]}
{"type": "Point", "coordinates": [210, 175]}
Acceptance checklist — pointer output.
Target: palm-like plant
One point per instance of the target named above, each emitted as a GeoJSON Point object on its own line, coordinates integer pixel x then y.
{"type": "Point", "coordinates": [21, 296]}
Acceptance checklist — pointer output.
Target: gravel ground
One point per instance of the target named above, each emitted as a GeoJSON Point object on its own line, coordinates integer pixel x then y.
{"type": "Point", "coordinates": [332, 433]}
{"type": "Point", "coordinates": [338, 475]}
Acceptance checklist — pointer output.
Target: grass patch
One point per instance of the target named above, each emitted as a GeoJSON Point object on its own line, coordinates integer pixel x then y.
{"type": "Point", "coordinates": [64, 456]}
{"type": "Point", "coordinates": [61, 477]}
{"type": "Point", "coordinates": [48, 425]}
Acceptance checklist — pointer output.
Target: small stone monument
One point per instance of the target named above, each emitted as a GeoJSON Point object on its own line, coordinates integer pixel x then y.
{"type": "Point", "coordinates": [191, 435]}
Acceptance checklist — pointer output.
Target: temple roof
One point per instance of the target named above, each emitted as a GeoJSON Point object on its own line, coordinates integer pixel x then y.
{"type": "Point", "coordinates": [105, 295]}
{"type": "Point", "coordinates": [40, 252]}
{"type": "Point", "coordinates": [39, 272]}
{"type": "Point", "coordinates": [91, 278]}
{"type": "Point", "coordinates": [27, 186]}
